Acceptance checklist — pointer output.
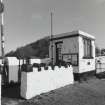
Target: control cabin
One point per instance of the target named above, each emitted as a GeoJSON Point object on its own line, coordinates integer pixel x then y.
{"type": "Point", "coordinates": [76, 48]}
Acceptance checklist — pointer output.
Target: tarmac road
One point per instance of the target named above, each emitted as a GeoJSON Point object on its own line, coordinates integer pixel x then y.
{"type": "Point", "coordinates": [90, 92]}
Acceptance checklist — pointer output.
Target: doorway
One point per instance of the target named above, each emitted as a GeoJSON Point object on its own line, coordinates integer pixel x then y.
{"type": "Point", "coordinates": [58, 51]}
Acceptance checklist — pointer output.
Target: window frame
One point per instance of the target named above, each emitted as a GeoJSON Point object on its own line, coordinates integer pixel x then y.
{"type": "Point", "coordinates": [72, 54]}
{"type": "Point", "coordinates": [88, 49]}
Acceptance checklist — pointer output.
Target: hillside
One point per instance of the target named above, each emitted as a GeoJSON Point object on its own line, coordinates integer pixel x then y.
{"type": "Point", "coordinates": [38, 49]}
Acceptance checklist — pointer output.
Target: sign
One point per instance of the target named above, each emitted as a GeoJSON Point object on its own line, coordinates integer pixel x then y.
{"type": "Point", "coordinates": [1, 7]}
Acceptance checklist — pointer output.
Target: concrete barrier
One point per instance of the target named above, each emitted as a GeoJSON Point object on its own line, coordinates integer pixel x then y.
{"type": "Point", "coordinates": [34, 83]}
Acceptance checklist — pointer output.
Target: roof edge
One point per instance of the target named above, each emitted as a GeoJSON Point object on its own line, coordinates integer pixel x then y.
{"type": "Point", "coordinates": [73, 34]}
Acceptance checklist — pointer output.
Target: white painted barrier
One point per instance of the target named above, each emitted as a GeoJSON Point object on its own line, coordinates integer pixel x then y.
{"type": "Point", "coordinates": [35, 83]}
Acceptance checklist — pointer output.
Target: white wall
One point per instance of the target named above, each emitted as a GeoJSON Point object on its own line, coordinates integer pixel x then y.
{"type": "Point", "coordinates": [35, 83]}
{"type": "Point", "coordinates": [32, 61]}
{"type": "Point", "coordinates": [83, 63]}
{"type": "Point", "coordinates": [13, 73]}
{"type": "Point", "coordinates": [13, 61]}
{"type": "Point", "coordinates": [14, 66]}
{"type": "Point", "coordinates": [13, 69]}
{"type": "Point", "coordinates": [100, 64]}
{"type": "Point", "coordinates": [39, 61]}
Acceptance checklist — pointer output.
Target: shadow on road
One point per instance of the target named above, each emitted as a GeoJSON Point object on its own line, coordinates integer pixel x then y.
{"type": "Point", "coordinates": [11, 91]}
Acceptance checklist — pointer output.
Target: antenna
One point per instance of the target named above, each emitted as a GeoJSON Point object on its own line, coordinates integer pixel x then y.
{"type": "Point", "coordinates": [52, 37]}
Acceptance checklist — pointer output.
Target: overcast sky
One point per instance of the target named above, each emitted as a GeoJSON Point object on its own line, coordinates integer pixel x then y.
{"type": "Point", "coordinates": [29, 20]}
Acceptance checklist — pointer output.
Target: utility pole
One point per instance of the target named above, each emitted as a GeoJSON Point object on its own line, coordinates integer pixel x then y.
{"type": "Point", "coordinates": [2, 40]}
{"type": "Point", "coordinates": [51, 14]}
{"type": "Point", "coordinates": [2, 32]}
{"type": "Point", "coordinates": [2, 36]}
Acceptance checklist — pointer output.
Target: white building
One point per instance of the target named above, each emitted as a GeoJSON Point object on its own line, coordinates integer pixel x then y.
{"type": "Point", "coordinates": [76, 47]}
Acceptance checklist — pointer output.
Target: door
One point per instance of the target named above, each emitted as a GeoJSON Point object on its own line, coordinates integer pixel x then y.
{"type": "Point", "coordinates": [59, 51]}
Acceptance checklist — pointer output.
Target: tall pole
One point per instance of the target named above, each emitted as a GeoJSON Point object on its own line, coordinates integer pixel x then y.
{"type": "Point", "coordinates": [2, 34]}
{"type": "Point", "coordinates": [52, 38]}
{"type": "Point", "coordinates": [2, 39]}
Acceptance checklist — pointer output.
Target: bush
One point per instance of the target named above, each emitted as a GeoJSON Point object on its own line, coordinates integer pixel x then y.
{"type": "Point", "coordinates": [36, 65]}
{"type": "Point", "coordinates": [62, 63]}
{"type": "Point", "coordinates": [27, 68]}
{"type": "Point", "coordinates": [46, 67]}
{"type": "Point", "coordinates": [42, 65]}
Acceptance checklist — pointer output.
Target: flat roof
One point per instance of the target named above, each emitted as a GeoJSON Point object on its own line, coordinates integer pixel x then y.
{"type": "Point", "coordinates": [73, 34]}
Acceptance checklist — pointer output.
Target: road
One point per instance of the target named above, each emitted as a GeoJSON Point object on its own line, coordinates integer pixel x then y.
{"type": "Point", "coordinates": [90, 92]}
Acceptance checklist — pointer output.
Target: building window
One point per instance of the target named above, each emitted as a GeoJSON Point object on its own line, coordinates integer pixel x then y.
{"type": "Point", "coordinates": [87, 48]}
{"type": "Point", "coordinates": [71, 58]}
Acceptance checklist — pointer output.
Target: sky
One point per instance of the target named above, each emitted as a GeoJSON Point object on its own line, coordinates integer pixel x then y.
{"type": "Point", "coordinates": [26, 21]}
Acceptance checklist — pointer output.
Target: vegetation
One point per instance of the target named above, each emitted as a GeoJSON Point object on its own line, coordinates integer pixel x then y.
{"type": "Point", "coordinates": [38, 49]}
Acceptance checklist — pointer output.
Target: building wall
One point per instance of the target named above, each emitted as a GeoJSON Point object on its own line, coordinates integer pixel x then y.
{"type": "Point", "coordinates": [75, 45]}
{"type": "Point", "coordinates": [86, 65]}
{"type": "Point", "coordinates": [13, 69]}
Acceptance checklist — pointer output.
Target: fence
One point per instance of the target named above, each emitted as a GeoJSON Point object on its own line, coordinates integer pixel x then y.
{"type": "Point", "coordinates": [34, 83]}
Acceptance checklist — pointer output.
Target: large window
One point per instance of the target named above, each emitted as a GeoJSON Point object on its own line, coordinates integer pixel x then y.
{"type": "Point", "coordinates": [71, 58]}
{"type": "Point", "coordinates": [87, 48]}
